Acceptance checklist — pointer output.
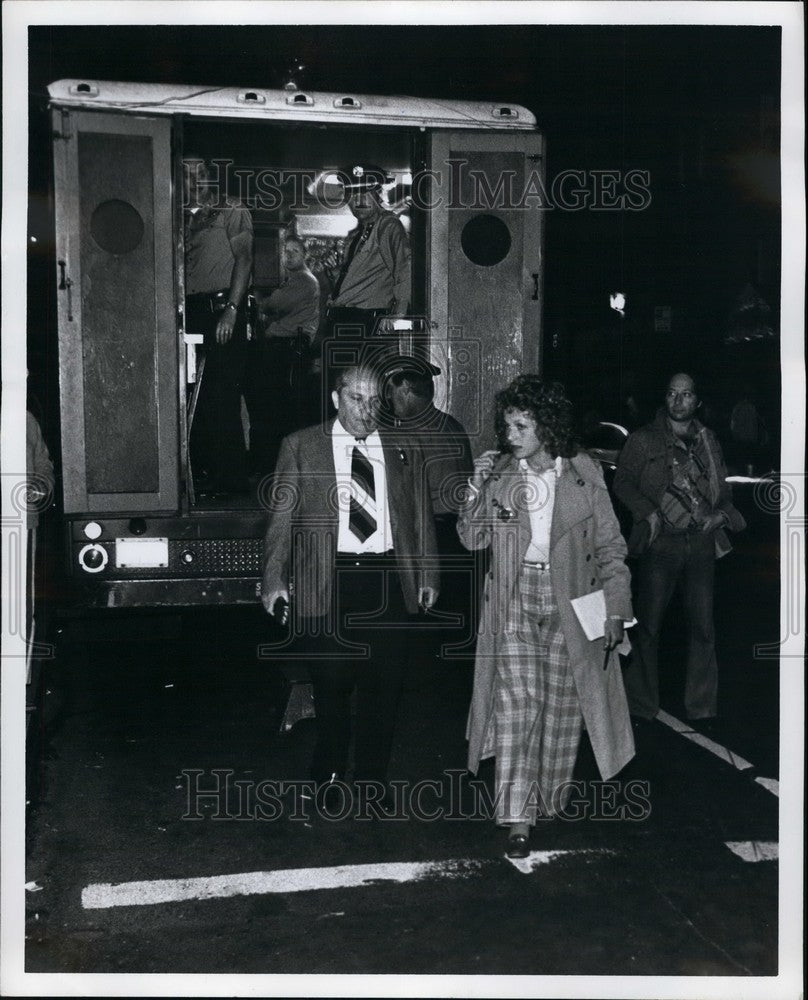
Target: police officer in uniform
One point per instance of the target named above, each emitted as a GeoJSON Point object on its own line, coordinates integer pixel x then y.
{"type": "Point", "coordinates": [218, 263]}
{"type": "Point", "coordinates": [374, 280]}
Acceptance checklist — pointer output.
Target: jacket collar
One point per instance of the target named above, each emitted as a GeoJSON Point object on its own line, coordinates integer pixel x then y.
{"type": "Point", "coordinates": [523, 467]}
{"type": "Point", "coordinates": [662, 424]}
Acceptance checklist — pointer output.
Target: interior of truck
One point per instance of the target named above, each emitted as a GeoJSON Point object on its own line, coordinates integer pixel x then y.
{"type": "Point", "coordinates": [286, 176]}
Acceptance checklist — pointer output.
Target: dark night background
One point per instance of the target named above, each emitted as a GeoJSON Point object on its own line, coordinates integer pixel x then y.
{"type": "Point", "coordinates": [697, 107]}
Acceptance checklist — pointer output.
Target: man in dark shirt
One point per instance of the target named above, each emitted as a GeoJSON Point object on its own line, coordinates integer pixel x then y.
{"type": "Point", "coordinates": [409, 394]}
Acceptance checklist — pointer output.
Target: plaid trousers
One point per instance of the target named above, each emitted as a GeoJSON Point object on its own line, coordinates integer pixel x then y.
{"type": "Point", "coordinates": [537, 715]}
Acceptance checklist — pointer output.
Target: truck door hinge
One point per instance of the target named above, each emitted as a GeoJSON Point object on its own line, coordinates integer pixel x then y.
{"type": "Point", "coordinates": [65, 126]}
{"type": "Point", "coordinates": [66, 285]}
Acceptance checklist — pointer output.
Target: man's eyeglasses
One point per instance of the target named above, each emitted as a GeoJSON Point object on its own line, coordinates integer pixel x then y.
{"type": "Point", "coordinates": [672, 394]}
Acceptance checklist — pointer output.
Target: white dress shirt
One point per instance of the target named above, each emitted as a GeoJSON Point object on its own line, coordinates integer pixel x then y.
{"type": "Point", "coordinates": [343, 445]}
{"type": "Point", "coordinates": [541, 488]}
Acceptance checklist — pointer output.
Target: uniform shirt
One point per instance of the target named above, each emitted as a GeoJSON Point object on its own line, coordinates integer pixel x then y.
{"type": "Point", "coordinates": [378, 276]}
{"type": "Point", "coordinates": [541, 488]}
{"type": "Point", "coordinates": [213, 238]}
{"type": "Point", "coordinates": [343, 444]}
{"type": "Point", "coordinates": [296, 304]}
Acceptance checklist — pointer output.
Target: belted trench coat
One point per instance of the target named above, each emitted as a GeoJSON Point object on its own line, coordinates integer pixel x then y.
{"type": "Point", "coordinates": [587, 553]}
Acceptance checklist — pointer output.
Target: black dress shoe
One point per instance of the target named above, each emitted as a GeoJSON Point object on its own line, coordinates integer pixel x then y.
{"type": "Point", "coordinates": [517, 846]}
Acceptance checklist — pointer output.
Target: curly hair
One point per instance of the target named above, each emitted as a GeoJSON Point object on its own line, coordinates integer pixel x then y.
{"type": "Point", "coordinates": [547, 404]}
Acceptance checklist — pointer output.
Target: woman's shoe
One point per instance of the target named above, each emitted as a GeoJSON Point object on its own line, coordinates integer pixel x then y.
{"type": "Point", "coordinates": [517, 846]}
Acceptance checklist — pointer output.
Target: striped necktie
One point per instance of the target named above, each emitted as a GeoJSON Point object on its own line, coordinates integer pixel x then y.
{"type": "Point", "coordinates": [362, 510]}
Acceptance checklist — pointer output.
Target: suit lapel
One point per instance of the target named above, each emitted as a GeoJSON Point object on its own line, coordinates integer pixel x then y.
{"type": "Point", "coordinates": [322, 461]}
{"type": "Point", "coordinates": [393, 470]}
{"type": "Point", "coordinates": [323, 450]}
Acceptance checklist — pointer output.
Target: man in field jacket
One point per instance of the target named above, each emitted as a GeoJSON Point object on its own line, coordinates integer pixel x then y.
{"type": "Point", "coordinates": [671, 476]}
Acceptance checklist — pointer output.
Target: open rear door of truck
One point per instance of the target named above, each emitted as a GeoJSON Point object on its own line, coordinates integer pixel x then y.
{"type": "Point", "coordinates": [116, 311]}
{"type": "Point", "coordinates": [486, 223]}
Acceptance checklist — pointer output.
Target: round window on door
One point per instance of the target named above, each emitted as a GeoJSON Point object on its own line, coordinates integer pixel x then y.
{"type": "Point", "coordinates": [486, 240]}
{"type": "Point", "coordinates": [117, 226]}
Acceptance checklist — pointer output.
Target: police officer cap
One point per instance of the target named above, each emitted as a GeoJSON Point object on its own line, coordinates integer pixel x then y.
{"type": "Point", "coordinates": [363, 177]}
{"type": "Point", "coordinates": [410, 365]}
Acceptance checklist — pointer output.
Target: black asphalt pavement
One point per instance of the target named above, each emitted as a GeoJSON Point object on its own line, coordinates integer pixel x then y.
{"type": "Point", "coordinates": [139, 709]}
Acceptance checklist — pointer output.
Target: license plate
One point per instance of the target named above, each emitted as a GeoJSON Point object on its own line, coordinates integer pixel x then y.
{"type": "Point", "coordinates": [141, 553]}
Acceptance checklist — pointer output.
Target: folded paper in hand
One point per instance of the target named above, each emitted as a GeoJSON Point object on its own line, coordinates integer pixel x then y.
{"type": "Point", "coordinates": [591, 612]}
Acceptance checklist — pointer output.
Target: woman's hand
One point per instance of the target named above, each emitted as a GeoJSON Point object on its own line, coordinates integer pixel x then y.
{"type": "Point", "coordinates": [427, 597]}
{"type": "Point", "coordinates": [483, 467]}
{"type": "Point", "coordinates": [613, 633]}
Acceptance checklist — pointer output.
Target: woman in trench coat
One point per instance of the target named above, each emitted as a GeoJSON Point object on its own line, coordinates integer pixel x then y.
{"type": "Point", "coordinates": [542, 507]}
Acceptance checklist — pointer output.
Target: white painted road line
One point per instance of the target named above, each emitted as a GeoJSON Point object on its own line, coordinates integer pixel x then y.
{"type": "Point", "coordinates": [536, 859]}
{"type": "Point", "coordinates": [104, 895]}
{"type": "Point", "coordinates": [770, 784]}
{"type": "Point", "coordinates": [754, 850]}
{"type": "Point", "coordinates": [684, 729]}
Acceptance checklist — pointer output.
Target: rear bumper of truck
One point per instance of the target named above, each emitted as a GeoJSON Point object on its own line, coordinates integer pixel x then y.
{"type": "Point", "coordinates": [170, 592]}
{"type": "Point", "coordinates": [166, 561]}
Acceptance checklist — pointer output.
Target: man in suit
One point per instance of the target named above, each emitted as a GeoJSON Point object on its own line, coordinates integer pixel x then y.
{"type": "Point", "coordinates": [350, 544]}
